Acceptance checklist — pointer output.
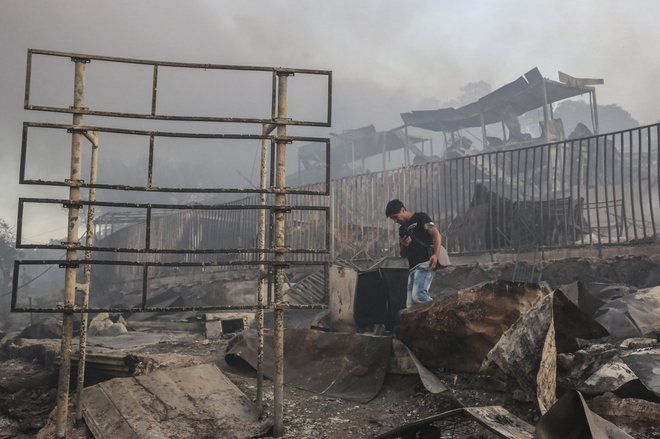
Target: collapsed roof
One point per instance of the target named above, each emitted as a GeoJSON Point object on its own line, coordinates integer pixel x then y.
{"type": "Point", "coordinates": [526, 93]}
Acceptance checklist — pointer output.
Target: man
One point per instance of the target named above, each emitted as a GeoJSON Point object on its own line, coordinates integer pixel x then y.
{"type": "Point", "coordinates": [420, 243]}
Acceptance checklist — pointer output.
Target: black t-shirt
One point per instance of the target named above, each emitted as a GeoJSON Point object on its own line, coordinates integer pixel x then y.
{"type": "Point", "coordinates": [418, 250]}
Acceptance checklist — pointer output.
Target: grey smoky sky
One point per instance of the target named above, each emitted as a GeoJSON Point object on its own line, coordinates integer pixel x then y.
{"type": "Point", "coordinates": [387, 56]}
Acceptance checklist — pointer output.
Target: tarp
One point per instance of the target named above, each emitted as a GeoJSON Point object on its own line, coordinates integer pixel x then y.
{"type": "Point", "coordinates": [644, 363]}
{"type": "Point", "coordinates": [344, 365]}
{"type": "Point", "coordinates": [520, 96]}
{"type": "Point", "coordinates": [633, 315]}
{"type": "Point", "coordinates": [404, 362]}
{"type": "Point", "coordinates": [527, 351]}
{"type": "Point", "coordinates": [608, 378]}
{"type": "Point", "coordinates": [625, 370]}
{"type": "Point", "coordinates": [465, 422]}
{"type": "Point", "coordinates": [571, 417]}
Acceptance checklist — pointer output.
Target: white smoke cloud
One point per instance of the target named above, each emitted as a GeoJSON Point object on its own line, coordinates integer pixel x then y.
{"type": "Point", "coordinates": [387, 56]}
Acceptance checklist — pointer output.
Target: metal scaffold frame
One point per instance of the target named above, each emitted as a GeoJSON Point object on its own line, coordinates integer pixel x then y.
{"type": "Point", "coordinates": [270, 261]}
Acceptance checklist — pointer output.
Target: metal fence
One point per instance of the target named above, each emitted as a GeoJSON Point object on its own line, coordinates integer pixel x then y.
{"type": "Point", "coordinates": [598, 190]}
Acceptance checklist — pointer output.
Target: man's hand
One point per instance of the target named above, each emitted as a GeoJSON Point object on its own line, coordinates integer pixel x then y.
{"type": "Point", "coordinates": [433, 261]}
{"type": "Point", "coordinates": [437, 243]}
{"type": "Point", "coordinates": [403, 245]}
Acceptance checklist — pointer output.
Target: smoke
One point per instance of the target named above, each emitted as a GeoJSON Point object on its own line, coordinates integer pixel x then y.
{"type": "Point", "coordinates": [387, 57]}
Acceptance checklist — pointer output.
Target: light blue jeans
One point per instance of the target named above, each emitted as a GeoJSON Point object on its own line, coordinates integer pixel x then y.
{"type": "Point", "coordinates": [419, 281]}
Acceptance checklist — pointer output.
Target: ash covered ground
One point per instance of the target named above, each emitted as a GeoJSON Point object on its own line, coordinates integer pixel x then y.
{"type": "Point", "coordinates": [28, 383]}
{"type": "Point", "coordinates": [28, 394]}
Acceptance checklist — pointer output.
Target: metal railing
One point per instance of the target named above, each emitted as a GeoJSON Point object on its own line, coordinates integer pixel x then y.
{"type": "Point", "coordinates": [598, 190]}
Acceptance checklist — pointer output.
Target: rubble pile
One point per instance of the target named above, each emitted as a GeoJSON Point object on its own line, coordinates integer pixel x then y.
{"type": "Point", "coordinates": [493, 359]}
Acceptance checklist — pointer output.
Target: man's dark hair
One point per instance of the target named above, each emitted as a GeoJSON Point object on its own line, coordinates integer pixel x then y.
{"type": "Point", "coordinates": [393, 207]}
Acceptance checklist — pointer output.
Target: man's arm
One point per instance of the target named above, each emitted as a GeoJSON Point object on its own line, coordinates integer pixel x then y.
{"type": "Point", "coordinates": [437, 242]}
{"type": "Point", "coordinates": [403, 245]}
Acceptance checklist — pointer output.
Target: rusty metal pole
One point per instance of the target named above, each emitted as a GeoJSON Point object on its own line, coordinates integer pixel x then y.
{"type": "Point", "coordinates": [279, 256]}
{"type": "Point", "coordinates": [261, 286]}
{"type": "Point", "coordinates": [87, 274]}
{"type": "Point", "coordinates": [71, 254]}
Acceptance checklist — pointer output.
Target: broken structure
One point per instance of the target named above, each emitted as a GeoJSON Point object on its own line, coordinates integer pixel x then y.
{"type": "Point", "coordinates": [598, 189]}
{"type": "Point", "coordinates": [273, 256]}
{"type": "Point", "coordinates": [504, 105]}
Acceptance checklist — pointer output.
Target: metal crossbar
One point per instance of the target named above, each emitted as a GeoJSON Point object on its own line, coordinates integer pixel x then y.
{"type": "Point", "coordinates": [153, 136]}
{"type": "Point", "coordinates": [146, 221]}
{"type": "Point", "coordinates": [276, 71]}
{"type": "Point", "coordinates": [144, 307]}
